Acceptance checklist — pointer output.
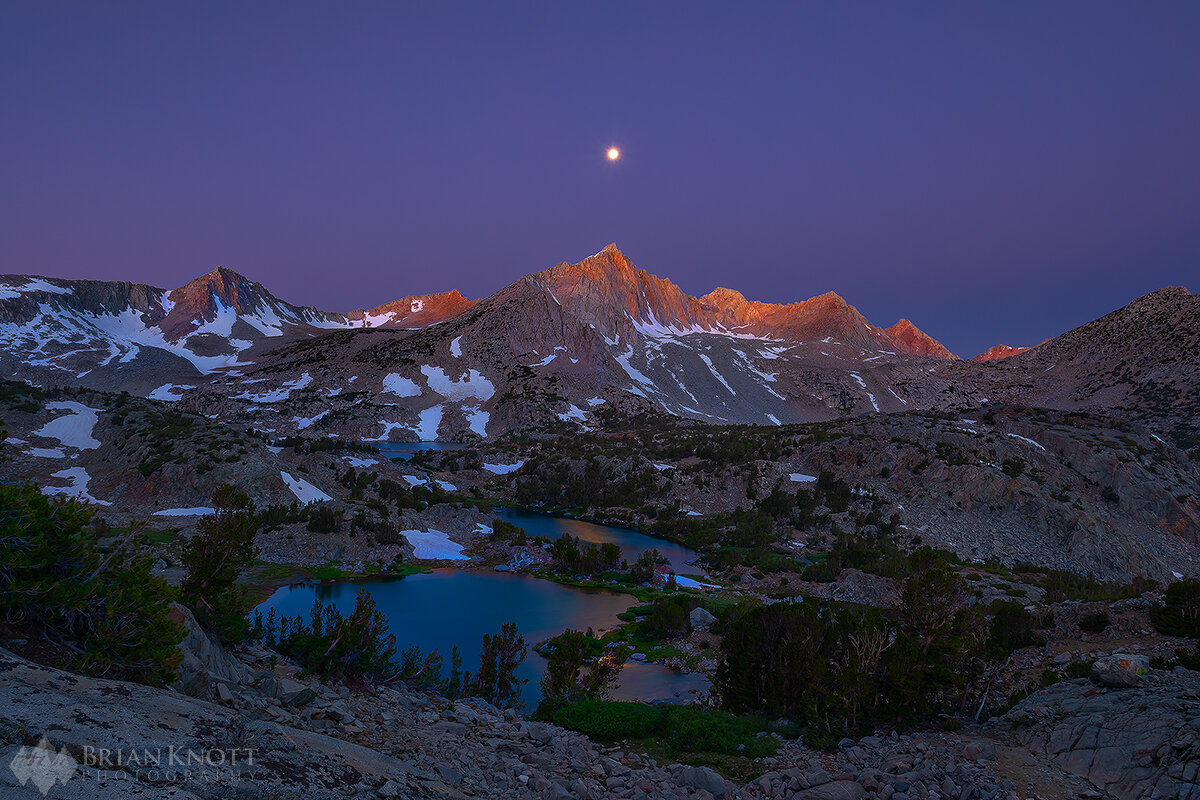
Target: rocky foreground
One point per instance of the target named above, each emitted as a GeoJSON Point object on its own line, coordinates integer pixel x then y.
{"type": "Point", "coordinates": [244, 725]}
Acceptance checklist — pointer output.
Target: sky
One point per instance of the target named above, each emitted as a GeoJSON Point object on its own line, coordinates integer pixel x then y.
{"type": "Point", "coordinates": [995, 172]}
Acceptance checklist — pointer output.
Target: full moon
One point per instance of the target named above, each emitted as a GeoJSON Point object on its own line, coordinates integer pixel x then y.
{"type": "Point", "coordinates": [613, 154]}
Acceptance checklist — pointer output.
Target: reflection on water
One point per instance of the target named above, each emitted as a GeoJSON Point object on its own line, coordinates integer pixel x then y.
{"type": "Point", "coordinates": [631, 542]}
{"type": "Point", "coordinates": [404, 451]}
{"type": "Point", "coordinates": [450, 607]}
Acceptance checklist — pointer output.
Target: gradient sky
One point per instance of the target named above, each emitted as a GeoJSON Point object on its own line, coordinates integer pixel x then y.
{"type": "Point", "coordinates": [995, 172]}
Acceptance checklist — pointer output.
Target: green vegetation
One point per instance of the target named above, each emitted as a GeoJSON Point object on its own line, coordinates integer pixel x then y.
{"type": "Point", "coordinates": [106, 608]}
{"type": "Point", "coordinates": [1094, 622]}
{"type": "Point", "coordinates": [215, 557]}
{"type": "Point", "coordinates": [332, 646]}
{"type": "Point", "coordinates": [681, 728]}
{"type": "Point", "coordinates": [1179, 613]}
{"type": "Point", "coordinates": [842, 669]}
{"type": "Point", "coordinates": [580, 667]}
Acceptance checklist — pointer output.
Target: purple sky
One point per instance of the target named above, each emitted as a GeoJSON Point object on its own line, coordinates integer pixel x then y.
{"type": "Point", "coordinates": [997, 173]}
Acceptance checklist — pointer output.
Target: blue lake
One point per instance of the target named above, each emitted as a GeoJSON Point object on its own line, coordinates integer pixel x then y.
{"type": "Point", "coordinates": [404, 451]}
{"type": "Point", "coordinates": [631, 542]}
{"type": "Point", "coordinates": [449, 607]}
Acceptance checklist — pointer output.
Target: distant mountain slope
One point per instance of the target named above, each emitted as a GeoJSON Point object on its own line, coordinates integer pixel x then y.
{"type": "Point", "coordinates": [999, 351]}
{"type": "Point", "coordinates": [1143, 358]}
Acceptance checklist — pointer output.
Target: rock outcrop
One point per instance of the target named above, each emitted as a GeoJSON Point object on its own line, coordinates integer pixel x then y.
{"type": "Point", "coordinates": [1131, 743]}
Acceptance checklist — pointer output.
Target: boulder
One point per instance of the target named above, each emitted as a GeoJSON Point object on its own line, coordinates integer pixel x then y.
{"type": "Point", "coordinates": [980, 749]}
{"type": "Point", "coordinates": [1120, 670]}
{"type": "Point", "coordinates": [834, 790]}
{"type": "Point", "coordinates": [701, 619]}
{"type": "Point", "coordinates": [705, 778]}
{"type": "Point", "coordinates": [295, 694]}
{"type": "Point", "coordinates": [204, 664]}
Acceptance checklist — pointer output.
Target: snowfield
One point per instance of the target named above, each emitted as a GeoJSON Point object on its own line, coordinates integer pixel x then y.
{"type": "Point", "coordinates": [800, 477]}
{"type": "Point", "coordinates": [196, 511]}
{"type": "Point", "coordinates": [167, 392]}
{"type": "Point", "coordinates": [79, 478]}
{"type": "Point", "coordinates": [401, 386]}
{"type": "Point", "coordinates": [282, 393]}
{"type": "Point", "coordinates": [430, 421]}
{"type": "Point", "coordinates": [433, 544]}
{"type": "Point", "coordinates": [305, 492]}
{"type": "Point", "coordinates": [73, 429]}
{"type": "Point", "coordinates": [472, 386]}
{"type": "Point", "coordinates": [504, 469]}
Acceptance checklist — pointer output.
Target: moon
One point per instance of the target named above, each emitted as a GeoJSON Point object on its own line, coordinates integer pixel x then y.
{"type": "Point", "coordinates": [613, 153]}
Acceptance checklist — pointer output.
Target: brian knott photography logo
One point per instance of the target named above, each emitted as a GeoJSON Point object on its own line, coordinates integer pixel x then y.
{"type": "Point", "coordinates": [43, 766]}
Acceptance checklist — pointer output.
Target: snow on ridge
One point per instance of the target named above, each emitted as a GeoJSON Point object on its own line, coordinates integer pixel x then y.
{"type": "Point", "coordinates": [305, 492]}
{"type": "Point", "coordinates": [716, 374]}
{"type": "Point", "coordinates": [863, 384]}
{"type": "Point", "coordinates": [73, 429]}
{"type": "Point", "coordinates": [1025, 439]}
{"type": "Point", "coordinates": [32, 284]}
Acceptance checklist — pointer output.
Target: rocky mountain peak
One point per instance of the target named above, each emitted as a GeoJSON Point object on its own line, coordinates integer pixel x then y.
{"type": "Point", "coordinates": [415, 311]}
{"type": "Point", "coordinates": [911, 339]}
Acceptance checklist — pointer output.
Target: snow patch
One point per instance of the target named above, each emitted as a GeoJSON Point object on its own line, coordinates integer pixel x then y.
{"type": "Point", "coordinates": [1030, 441]}
{"type": "Point", "coordinates": [474, 386]}
{"type": "Point", "coordinates": [800, 477]}
{"type": "Point", "coordinates": [305, 492]}
{"type": "Point", "coordinates": [433, 544]}
{"type": "Point", "coordinates": [429, 421]}
{"type": "Point", "coordinates": [79, 478]}
{"type": "Point", "coordinates": [73, 429]}
{"type": "Point", "coordinates": [196, 511]}
{"type": "Point", "coordinates": [400, 386]}
{"type": "Point", "coordinates": [504, 469]}
{"type": "Point", "coordinates": [167, 392]}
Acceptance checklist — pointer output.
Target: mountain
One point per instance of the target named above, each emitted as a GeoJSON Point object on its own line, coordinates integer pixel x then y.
{"type": "Point", "coordinates": [565, 345]}
{"type": "Point", "coordinates": [416, 311]}
{"type": "Point", "coordinates": [1142, 359]}
{"type": "Point", "coordinates": [999, 351]}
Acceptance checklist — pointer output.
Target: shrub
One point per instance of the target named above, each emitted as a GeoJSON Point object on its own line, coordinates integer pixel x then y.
{"type": "Point", "coordinates": [215, 557]}
{"type": "Point", "coordinates": [52, 574]}
{"type": "Point", "coordinates": [607, 720]}
{"type": "Point", "coordinates": [323, 519]}
{"type": "Point", "coordinates": [579, 667]}
{"type": "Point", "coordinates": [496, 680]}
{"type": "Point", "coordinates": [332, 646]}
{"type": "Point", "coordinates": [1095, 622]}
{"type": "Point", "coordinates": [1179, 613]}
{"type": "Point", "coordinates": [1013, 627]}
{"type": "Point", "coordinates": [1078, 669]}
{"type": "Point", "coordinates": [685, 728]}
